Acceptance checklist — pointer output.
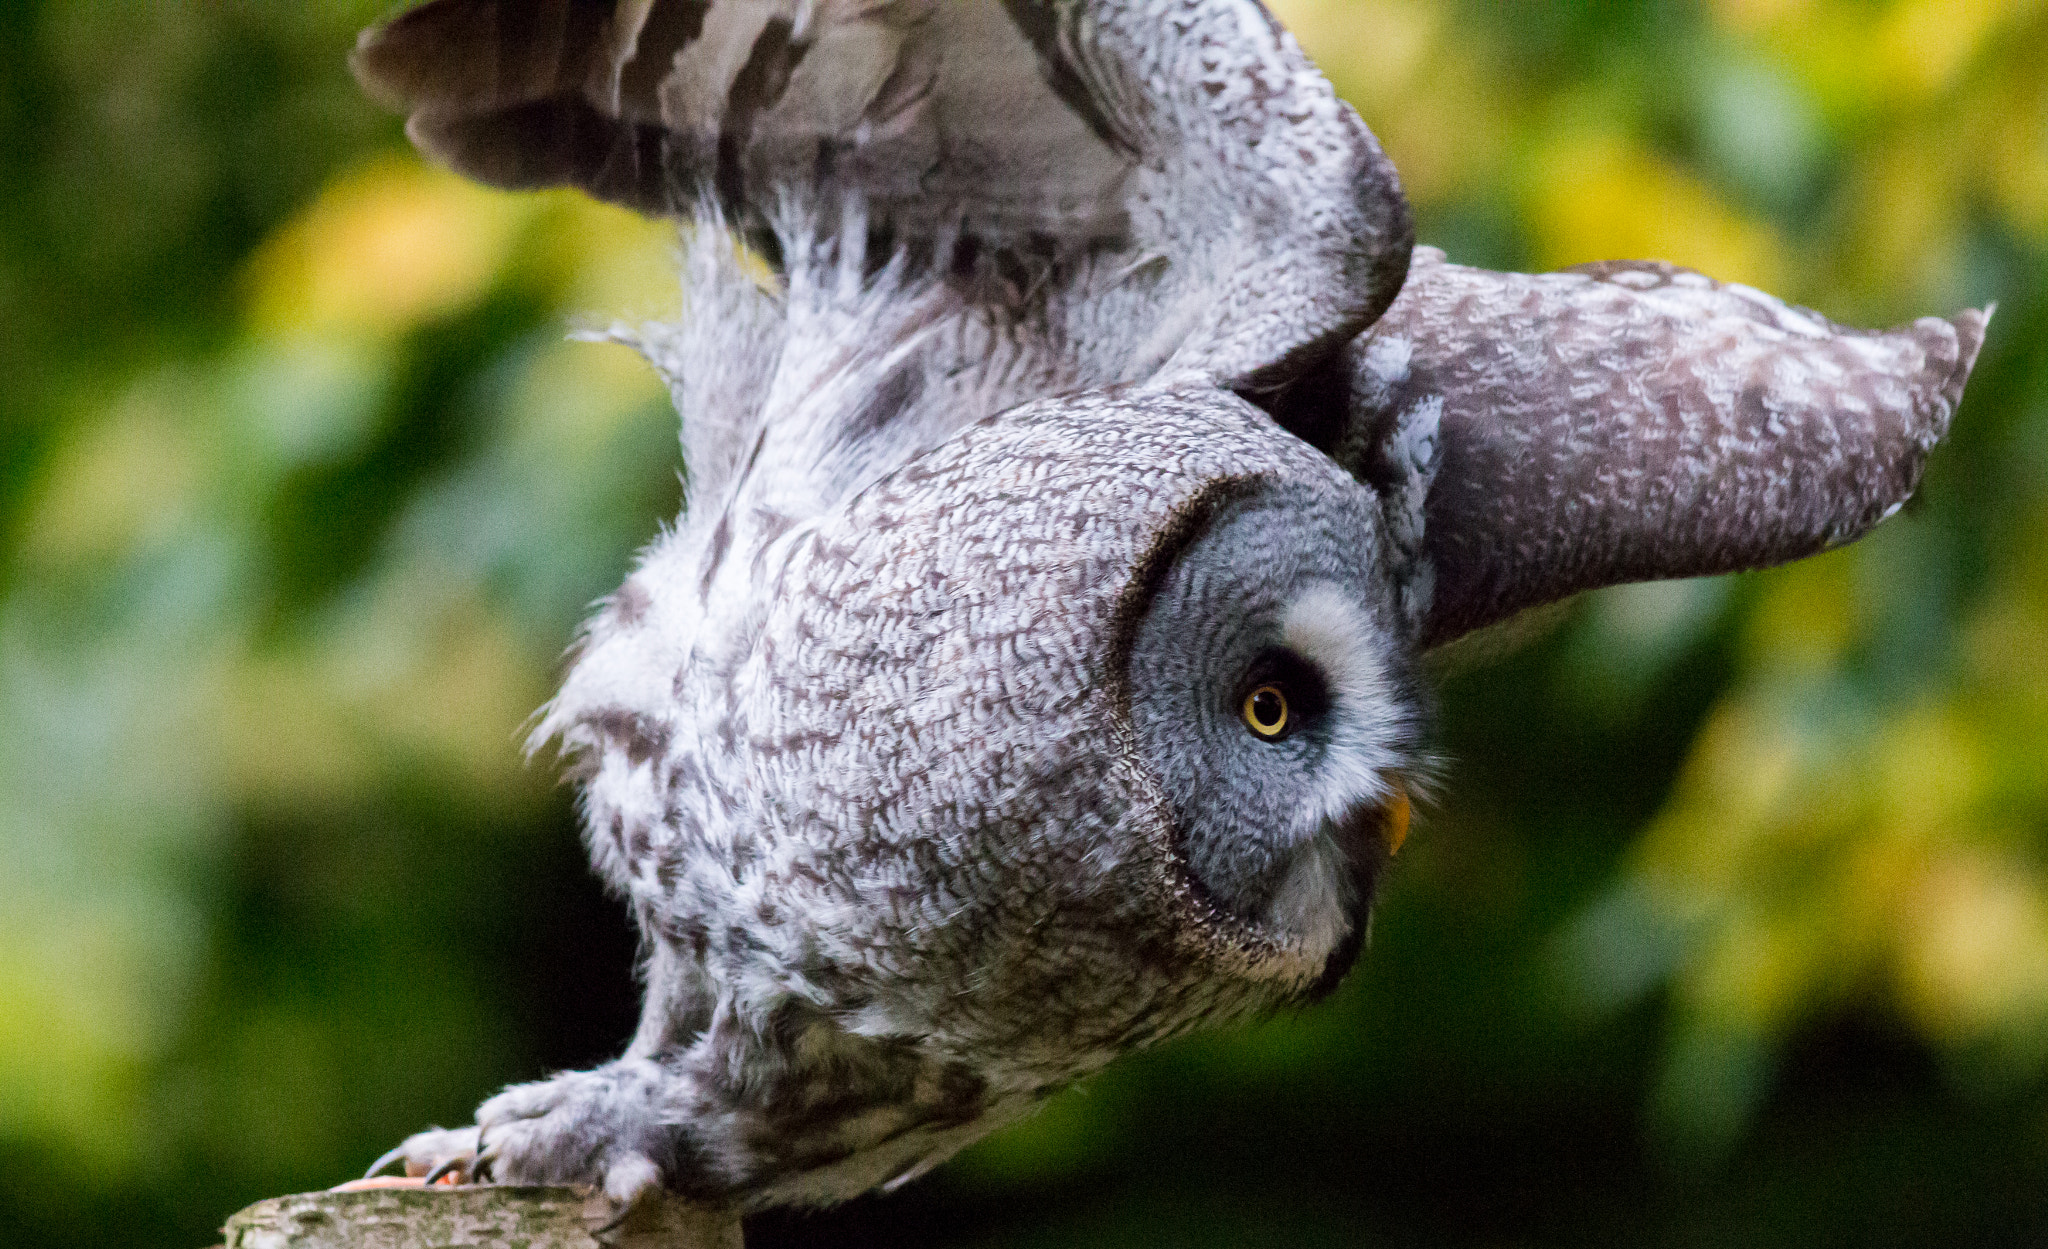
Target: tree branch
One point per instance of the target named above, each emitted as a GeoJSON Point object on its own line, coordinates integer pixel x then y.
{"type": "Point", "coordinates": [411, 1217]}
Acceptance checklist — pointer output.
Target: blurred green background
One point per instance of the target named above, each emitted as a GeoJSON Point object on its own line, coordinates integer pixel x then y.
{"type": "Point", "coordinates": [1731, 929]}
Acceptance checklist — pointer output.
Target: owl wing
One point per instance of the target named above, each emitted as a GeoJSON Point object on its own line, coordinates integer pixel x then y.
{"type": "Point", "coordinates": [1539, 435]}
{"type": "Point", "coordinates": [1191, 137]}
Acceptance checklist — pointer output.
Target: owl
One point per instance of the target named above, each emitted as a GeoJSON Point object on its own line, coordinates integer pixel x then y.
{"type": "Point", "coordinates": [1082, 457]}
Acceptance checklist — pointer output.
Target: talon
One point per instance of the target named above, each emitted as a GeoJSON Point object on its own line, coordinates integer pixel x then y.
{"type": "Point", "coordinates": [617, 1221]}
{"type": "Point", "coordinates": [454, 1166]}
{"type": "Point", "coordinates": [630, 1183]}
{"type": "Point", "coordinates": [480, 1159]}
{"type": "Point", "coordinates": [395, 1154]}
{"type": "Point", "coordinates": [382, 1181]}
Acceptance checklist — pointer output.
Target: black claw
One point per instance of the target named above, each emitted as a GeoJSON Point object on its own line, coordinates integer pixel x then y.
{"type": "Point", "coordinates": [454, 1166]}
{"type": "Point", "coordinates": [390, 1156]}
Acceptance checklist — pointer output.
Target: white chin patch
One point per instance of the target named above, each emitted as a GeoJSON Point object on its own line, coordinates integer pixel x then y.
{"type": "Point", "coordinates": [1314, 903]}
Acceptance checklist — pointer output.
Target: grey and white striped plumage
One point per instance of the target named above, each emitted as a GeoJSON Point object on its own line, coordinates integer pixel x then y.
{"type": "Point", "coordinates": [1069, 411]}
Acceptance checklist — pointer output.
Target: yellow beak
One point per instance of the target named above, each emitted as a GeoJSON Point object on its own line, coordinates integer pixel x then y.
{"type": "Point", "coordinates": [1395, 829]}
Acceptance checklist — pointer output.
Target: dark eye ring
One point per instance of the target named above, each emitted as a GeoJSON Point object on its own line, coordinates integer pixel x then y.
{"type": "Point", "coordinates": [1266, 713]}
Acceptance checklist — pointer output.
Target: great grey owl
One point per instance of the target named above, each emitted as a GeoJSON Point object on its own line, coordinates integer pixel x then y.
{"type": "Point", "coordinates": [1080, 457]}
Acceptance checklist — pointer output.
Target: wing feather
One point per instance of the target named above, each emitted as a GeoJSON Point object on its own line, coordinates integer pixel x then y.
{"type": "Point", "coordinates": [1257, 214]}
{"type": "Point", "coordinates": [1631, 421]}
{"type": "Point", "coordinates": [1167, 192]}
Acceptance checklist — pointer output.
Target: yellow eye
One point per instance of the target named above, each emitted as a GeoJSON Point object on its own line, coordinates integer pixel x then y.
{"type": "Point", "coordinates": [1265, 711]}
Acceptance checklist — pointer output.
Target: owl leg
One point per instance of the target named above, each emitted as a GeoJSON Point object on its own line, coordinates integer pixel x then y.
{"type": "Point", "coordinates": [601, 1129]}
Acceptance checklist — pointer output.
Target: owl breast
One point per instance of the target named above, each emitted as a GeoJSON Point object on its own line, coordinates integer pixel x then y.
{"type": "Point", "coordinates": [983, 772]}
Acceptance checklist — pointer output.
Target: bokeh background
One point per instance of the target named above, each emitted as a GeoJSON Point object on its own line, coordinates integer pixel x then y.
{"type": "Point", "coordinates": [1732, 927]}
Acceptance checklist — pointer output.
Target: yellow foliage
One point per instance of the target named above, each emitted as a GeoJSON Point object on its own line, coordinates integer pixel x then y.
{"type": "Point", "coordinates": [1923, 46]}
{"type": "Point", "coordinates": [1915, 52]}
{"type": "Point", "coordinates": [1806, 616]}
{"type": "Point", "coordinates": [573, 394]}
{"type": "Point", "coordinates": [2017, 141]}
{"type": "Point", "coordinates": [604, 259]}
{"type": "Point", "coordinates": [1814, 855]}
{"type": "Point", "coordinates": [1753, 976]}
{"type": "Point", "coordinates": [1594, 194]}
{"type": "Point", "coordinates": [1973, 949]}
{"type": "Point", "coordinates": [1907, 199]}
{"type": "Point", "coordinates": [1750, 16]}
{"type": "Point", "coordinates": [1372, 72]}
{"type": "Point", "coordinates": [1421, 79]}
{"type": "Point", "coordinates": [78, 1062]}
{"type": "Point", "coordinates": [419, 671]}
{"type": "Point", "coordinates": [121, 481]}
{"type": "Point", "coordinates": [1927, 770]}
{"type": "Point", "coordinates": [281, 744]}
{"type": "Point", "coordinates": [383, 248]}
{"type": "Point", "coordinates": [1742, 773]}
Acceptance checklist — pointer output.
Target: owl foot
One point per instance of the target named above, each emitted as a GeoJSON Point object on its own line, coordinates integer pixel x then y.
{"type": "Point", "coordinates": [598, 1129]}
{"type": "Point", "coordinates": [434, 1153]}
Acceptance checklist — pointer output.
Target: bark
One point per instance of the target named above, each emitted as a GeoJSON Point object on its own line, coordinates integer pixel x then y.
{"type": "Point", "coordinates": [453, 1218]}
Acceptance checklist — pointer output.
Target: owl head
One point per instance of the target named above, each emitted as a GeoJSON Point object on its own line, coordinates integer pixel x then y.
{"type": "Point", "coordinates": [1067, 752]}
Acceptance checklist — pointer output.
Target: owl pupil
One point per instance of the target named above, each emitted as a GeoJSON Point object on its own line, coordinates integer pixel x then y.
{"type": "Point", "coordinates": [1265, 710]}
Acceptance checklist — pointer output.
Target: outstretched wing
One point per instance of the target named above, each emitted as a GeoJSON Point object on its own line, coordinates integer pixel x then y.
{"type": "Point", "coordinates": [646, 103]}
{"type": "Point", "coordinates": [1166, 191]}
{"type": "Point", "coordinates": [1257, 216]}
{"type": "Point", "coordinates": [1629, 421]}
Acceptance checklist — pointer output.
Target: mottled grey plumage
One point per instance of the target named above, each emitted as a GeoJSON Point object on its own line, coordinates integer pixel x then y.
{"type": "Point", "coordinates": [923, 748]}
{"type": "Point", "coordinates": [1631, 420]}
